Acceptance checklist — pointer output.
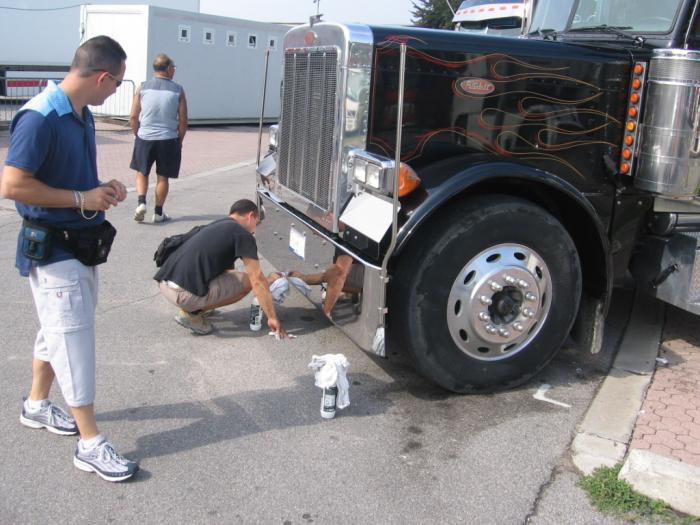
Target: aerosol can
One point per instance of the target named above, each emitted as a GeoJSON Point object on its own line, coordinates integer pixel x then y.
{"type": "Point", "coordinates": [255, 315]}
{"type": "Point", "coordinates": [330, 394]}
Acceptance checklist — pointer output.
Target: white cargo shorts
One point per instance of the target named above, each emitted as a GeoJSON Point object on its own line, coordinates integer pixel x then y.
{"type": "Point", "coordinates": [65, 295]}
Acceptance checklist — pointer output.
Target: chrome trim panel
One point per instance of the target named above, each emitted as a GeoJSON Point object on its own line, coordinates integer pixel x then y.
{"type": "Point", "coordinates": [305, 188]}
{"type": "Point", "coordinates": [669, 146]}
{"type": "Point", "coordinates": [360, 321]}
{"type": "Point", "coordinates": [668, 268]}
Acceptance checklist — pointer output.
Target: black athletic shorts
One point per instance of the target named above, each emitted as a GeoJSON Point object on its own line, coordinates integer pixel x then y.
{"type": "Point", "coordinates": [165, 153]}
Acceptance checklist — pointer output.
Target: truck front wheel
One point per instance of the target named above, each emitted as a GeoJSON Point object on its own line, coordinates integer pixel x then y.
{"type": "Point", "coordinates": [485, 294]}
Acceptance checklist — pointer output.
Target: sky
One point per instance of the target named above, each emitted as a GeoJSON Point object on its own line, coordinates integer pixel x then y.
{"type": "Point", "coordinates": [379, 12]}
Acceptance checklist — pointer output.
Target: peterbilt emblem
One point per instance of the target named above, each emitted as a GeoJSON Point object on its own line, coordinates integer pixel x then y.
{"type": "Point", "coordinates": [475, 86]}
{"type": "Point", "coordinates": [310, 38]}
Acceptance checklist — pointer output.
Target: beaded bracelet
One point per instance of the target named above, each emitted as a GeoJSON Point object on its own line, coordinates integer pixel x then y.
{"type": "Point", "coordinates": [82, 207]}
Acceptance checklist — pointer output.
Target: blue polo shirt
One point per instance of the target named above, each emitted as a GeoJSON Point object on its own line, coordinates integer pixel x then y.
{"type": "Point", "coordinates": [51, 141]}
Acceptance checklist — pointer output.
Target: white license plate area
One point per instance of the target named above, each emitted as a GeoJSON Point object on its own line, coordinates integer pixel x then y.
{"type": "Point", "coordinates": [297, 243]}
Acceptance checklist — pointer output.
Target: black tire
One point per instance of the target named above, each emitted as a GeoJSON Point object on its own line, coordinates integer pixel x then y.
{"type": "Point", "coordinates": [455, 265]}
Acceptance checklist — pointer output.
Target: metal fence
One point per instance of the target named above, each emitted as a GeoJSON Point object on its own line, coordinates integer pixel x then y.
{"type": "Point", "coordinates": [15, 92]}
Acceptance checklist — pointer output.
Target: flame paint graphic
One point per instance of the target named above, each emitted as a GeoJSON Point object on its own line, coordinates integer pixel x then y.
{"type": "Point", "coordinates": [536, 148]}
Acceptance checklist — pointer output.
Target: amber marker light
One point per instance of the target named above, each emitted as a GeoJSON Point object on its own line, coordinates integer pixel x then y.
{"type": "Point", "coordinates": [627, 154]}
{"type": "Point", "coordinates": [624, 168]}
{"type": "Point", "coordinates": [634, 98]}
{"type": "Point", "coordinates": [636, 83]}
{"type": "Point", "coordinates": [408, 180]}
{"type": "Point", "coordinates": [629, 140]}
{"type": "Point", "coordinates": [631, 126]}
{"type": "Point", "coordinates": [633, 112]}
{"type": "Point", "coordinates": [638, 69]}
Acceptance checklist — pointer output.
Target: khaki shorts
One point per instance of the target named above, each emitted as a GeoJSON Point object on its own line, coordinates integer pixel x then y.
{"type": "Point", "coordinates": [227, 288]}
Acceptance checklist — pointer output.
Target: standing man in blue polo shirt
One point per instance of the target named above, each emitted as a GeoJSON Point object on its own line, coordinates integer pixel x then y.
{"type": "Point", "coordinates": [159, 121]}
{"type": "Point", "coordinates": [51, 174]}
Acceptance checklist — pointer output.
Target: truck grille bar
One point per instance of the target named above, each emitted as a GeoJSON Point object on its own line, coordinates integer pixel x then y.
{"type": "Point", "coordinates": [308, 119]}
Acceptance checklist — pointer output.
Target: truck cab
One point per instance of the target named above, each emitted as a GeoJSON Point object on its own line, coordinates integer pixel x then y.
{"type": "Point", "coordinates": [493, 191]}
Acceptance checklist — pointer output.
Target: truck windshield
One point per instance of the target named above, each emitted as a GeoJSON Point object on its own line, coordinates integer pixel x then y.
{"type": "Point", "coordinates": [634, 16]}
{"type": "Point", "coordinates": [551, 15]}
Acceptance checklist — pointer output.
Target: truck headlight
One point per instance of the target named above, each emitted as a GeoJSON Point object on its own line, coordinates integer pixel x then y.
{"type": "Point", "coordinates": [373, 176]}
{"type": "Point", "coordinates": [272, 135]}
{"type": "Point", "coordinates": [360, 170]}
{"type": "Point", "coordinates": [377, 173]}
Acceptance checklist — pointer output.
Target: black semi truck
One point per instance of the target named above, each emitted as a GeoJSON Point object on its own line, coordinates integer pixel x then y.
{"type": "Point", "coordinates": [494, 190]}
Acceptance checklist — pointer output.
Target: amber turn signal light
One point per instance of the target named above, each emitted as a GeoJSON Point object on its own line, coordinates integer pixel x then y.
{"type": "Point", "coordinates": [408, 180]}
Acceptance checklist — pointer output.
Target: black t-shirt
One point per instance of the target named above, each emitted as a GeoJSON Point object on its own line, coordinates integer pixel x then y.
{"type": "Point", "coordinates": [209, 253]}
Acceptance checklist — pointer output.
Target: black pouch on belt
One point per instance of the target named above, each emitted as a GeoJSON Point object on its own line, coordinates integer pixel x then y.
{"type": "Point", "coordinates": [36, 240]}
{"type": "Point", "coordinates": [90, 246]}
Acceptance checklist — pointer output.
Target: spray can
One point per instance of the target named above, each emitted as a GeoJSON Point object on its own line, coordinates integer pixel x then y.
{"type": "Point", "coordinates": [255, 315]}
{"type": "Point", "coordinates": [330, 394]}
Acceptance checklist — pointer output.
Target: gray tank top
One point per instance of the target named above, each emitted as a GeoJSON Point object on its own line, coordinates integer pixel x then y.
{"type": "Point", "coordinates": [160, 99]}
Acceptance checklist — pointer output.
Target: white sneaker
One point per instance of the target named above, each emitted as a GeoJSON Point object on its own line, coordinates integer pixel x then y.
{"type": "Point", "coordinates": [161, 218]}
{"type": "Point", "coordinates": [104, 461]}
{"type": "Point", "coordinates": [140, 213]}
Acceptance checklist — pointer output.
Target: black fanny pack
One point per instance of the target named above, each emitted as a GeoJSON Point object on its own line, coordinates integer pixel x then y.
{"type": "Point", "coordinates": [90, 246]}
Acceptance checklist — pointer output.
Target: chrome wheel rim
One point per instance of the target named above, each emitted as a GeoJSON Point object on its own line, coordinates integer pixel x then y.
{"type": "Point", "coordinates": [499, 301]}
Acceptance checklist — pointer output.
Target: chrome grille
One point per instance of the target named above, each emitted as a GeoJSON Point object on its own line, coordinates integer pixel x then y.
{"type": "Point", "coordinates": [306, 130]}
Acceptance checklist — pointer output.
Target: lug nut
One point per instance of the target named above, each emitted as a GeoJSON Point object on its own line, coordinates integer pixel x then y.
{"type": "Point", "coordinates": [485, 300]}
{"type": "Point", "coordinates": [522, 283]}
{"type": "Point", "coordinates": [503, 332]}
{"type": "Point", "coordinates": [491, 329]}
{"type": "Point", "coordinates": [530, 296]}
{"type": "Point", "coordinates": [509, 279]}
{"type": "Point", "coordinates": [495, 286]}
{"type": "Point", "coordinates": [484, 316]}
{"type": "Point", "coordinates": [528, 313]}
{"type": "Point", "coordinates": [519, 327]}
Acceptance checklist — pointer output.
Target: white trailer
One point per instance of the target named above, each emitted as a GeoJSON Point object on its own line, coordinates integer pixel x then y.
{"type": "Point", "coordinates": [45, 33]}
{"type": "Point", "coordinates": [220, 60]}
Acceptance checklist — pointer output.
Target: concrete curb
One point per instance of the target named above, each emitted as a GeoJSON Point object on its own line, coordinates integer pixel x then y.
{"type": "Point", "coordinates": [607, 428]}
{"type": "Point", "coordinates": [672, 481]}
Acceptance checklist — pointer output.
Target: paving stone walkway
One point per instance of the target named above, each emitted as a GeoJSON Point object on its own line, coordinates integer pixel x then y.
{"type": "Point", "coordinates": [669, 421]}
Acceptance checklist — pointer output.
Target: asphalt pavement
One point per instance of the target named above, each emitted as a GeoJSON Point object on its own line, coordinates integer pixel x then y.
{"type": "Point", "coordinates": [227, 427]}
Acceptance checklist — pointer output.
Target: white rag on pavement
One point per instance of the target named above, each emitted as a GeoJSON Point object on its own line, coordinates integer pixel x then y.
{"type": "Point", "coordinates": [331, 370]}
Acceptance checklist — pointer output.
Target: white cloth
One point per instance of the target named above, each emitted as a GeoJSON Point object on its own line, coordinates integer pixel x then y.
{"type": "Point", "coordinates": [331, 370]}
{"type": "Point", "coordinates": [300, 285]}
{"type": "Point", "coordinates": [279, 290]}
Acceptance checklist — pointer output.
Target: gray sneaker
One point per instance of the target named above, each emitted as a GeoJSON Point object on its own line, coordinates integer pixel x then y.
{"type": "Point", "coordinates": [195, 322]}
{"type": "Point", "coordinates": [104, 461]}
{"type": "Point", "coordinates": [52, 418]}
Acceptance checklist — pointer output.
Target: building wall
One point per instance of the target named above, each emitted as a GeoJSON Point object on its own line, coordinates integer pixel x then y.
{"type": "Point", "coordinates": [222, 82]}
{"type": "Point", "coordinates": [42, 32]}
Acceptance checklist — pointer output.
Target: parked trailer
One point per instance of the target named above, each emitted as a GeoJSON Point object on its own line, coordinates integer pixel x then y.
{"type": "Point", "coordinates": [551, 169]}
{"type": "Point", "coordinates": [220, 60]}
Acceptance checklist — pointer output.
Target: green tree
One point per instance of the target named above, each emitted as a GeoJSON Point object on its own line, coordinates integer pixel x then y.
{"type": "Point", "coordinates": [434, 13]}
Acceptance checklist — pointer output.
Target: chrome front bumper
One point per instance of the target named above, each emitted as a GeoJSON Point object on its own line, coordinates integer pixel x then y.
{"type": "Point", "coordinates": [360, 321]}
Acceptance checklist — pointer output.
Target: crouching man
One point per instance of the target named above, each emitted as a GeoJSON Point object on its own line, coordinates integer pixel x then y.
{"type": "Point", "coordinates": [199, 275]}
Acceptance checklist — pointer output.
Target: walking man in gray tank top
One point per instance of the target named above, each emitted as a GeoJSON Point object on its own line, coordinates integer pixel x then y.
{"type": "Point", "coordinates": [159, 121]}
